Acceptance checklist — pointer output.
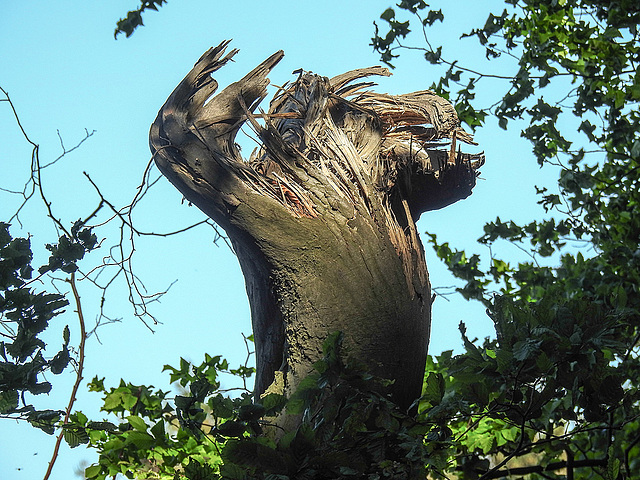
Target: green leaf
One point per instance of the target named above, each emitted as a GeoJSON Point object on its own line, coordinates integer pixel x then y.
{"type": "Point", "coordinates": [79, 418]}
{"type": "Point", "coordinates": [273, 403]}
{"type": "Point", "coordinates": [231, 428]}
{"type": "Point", "coordinates": [45, 420]}
{"type": "Point", "coordinates": [92, 471]}
{"type": "Point", "coordinates": [613, 466]}
{"type": "Point", "coordinates": [8, 401]}
{"type": "Point", "coordinates": [96, 384]}
{"type": "Point", "coordinates": [40, 388]}
{"type": "Point", "coordinates": [60, 361]}
{"type": "Point", "coordinates": [252, 412]}
{"type": "Point", "coordinates": [158, 431]}
{"type": "Point", "coordinates": [434, 388]}
{"type": "Point", "coordinates": [137, 423]}
{"type": "Point", "coordinates": [195, 470]}
{"type": "Point", "coordinates": [433, 16]}
{"type": "Point", "coordinates": [433, 56]}
{"type": "Point", "coordinates": [74, 435]}
{"type": "Point", "coordinates": [106, 426]}
{"type": "Point", "coordinates": [388, 15]}
{"type": "Point", "coordinates": [141, 440]}
{"type": "Point", "coordinates": [526, 349]}
{"type": "Point", "coordinates": [221, 406]}
{"type": "Point", "coordinates": [112, 401]}
{"type": "Point", "coordinates": [184, 403]}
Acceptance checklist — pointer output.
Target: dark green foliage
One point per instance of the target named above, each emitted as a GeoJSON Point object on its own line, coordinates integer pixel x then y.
{"type": "Point", "coordinates": [560, 379]}
{"type": "Point", "coordinates": [558, 384]}
{"type": "Point", "coordinates": [350, 429]}
{"type": "Point", "coordinates": [25, 315]}
{"type": "Point", "coordinates": [553, 381]}
{"type": "Point", "coordinates": [133, 19]}
{"type": "Point", "coordinates": [595, 45]}
{"type": "Point", "coordinates": [68, 251]}
{"type": "Point", "coordinates": [45, 420]}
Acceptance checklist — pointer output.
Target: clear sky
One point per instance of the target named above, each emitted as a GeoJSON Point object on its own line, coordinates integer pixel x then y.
{"type": "Point", "coordinates": [65, 73]}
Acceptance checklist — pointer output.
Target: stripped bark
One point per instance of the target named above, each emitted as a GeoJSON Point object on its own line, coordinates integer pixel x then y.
{"type": "Point", "coordinates": [322, 215]}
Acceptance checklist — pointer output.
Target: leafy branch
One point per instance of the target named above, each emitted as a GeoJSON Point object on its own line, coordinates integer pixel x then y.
{"type": "Point", "coordinates": [552, 467]}
{"type": "Point", "coordinates": [25, 314]}
{"type": "Point", "coordinates": [133, 19]}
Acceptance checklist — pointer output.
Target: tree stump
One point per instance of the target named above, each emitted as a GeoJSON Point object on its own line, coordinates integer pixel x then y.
{"type": "Point", "coordinates": [322, 215]}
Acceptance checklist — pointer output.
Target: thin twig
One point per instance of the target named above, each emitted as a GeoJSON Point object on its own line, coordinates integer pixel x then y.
{"type": "Point", "coordinates": [74, 391]}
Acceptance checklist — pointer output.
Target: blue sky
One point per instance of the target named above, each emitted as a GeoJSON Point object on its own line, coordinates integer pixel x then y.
{"type": "Point", "coordinates": [66, 73]}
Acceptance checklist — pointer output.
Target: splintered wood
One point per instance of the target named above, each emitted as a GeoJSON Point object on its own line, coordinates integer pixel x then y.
{"type": "Point", "coordinates": [322, 216]}
{"type": "Point", "coordinates": [371, 149]}
{"type": "Point", "coordinates": [356, 137]}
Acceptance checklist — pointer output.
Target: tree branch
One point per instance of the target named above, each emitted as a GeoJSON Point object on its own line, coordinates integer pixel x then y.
{"type": "Point", "coordinates": [74, 391]}
{"type": "Point", "coordinates": [590, 463]}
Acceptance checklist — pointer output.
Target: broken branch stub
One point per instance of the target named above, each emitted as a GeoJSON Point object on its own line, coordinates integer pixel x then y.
{"type": "Point", "coordinates": [322, 215]}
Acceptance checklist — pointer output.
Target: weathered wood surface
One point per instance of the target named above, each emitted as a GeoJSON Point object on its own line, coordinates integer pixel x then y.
{"type": "Point", "coordinates": [322, 215]}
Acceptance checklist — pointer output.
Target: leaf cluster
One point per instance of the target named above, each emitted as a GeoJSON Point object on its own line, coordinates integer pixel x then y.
{"type": "Point", "coordinates": [24, 315]}
{"type": "Point", "coordinates": [584, 54]}
{"type": "Point", "coordinates": [133, 19]}
{"type": "Point", "coordinates": [155, 435]}
{"type": "Point", "coordinates": [349, 429]}
{"type": "Point", "coordinates": [144, 440]}
{"type": "Point", "coordinates": [588, 51]}
{"type": "Point", "coordinates": [550, 389]}
{"type": "Point", "coordinates": [557, 382]}
{"type": "Point", "coordinates": [69, 250]}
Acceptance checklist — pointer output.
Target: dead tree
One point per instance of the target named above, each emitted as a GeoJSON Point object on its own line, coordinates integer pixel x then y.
{"type": "Point", "coordinates": [322, 215]}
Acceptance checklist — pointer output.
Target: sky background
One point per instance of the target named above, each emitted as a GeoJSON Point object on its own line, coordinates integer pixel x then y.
{"type": "Point", "coordinates": [65, 73]}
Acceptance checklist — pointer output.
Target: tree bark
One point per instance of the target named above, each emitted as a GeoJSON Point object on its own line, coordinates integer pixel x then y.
{"type": "Point", "coordinates": [322, 215]}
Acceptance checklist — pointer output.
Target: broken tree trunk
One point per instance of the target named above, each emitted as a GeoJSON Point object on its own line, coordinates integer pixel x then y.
{"type": "Point", "coordinates": [322, 215]}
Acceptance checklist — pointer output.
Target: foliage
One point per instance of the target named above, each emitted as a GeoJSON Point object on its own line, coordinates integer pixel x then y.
{"type": "Point", "coordinates": [157, 436]}
{"type": "Point", "coordinates": [558, 385]}
{"type": "Point", "coordinates": [141, 445]}
{"type": "Point", "coordinates": [133, 19]}
{"type": "Point", "coordinates": [349, 429]}
{"type": "Point", "coordinates": [549, 386]}
{"type": "Point", "coordinates": [25, 315]}
{"type": "Point", "coordinates": [552, 391]}
{"type": "Point", "coordinates": [588, 51]}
